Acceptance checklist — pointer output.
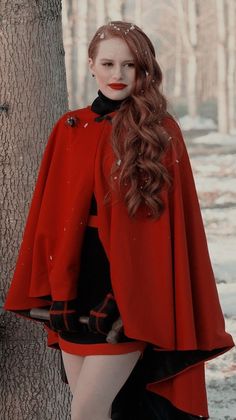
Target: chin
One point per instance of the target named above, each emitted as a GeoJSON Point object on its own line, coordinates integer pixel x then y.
{"type": "Point", "coordinates": [117, 94]}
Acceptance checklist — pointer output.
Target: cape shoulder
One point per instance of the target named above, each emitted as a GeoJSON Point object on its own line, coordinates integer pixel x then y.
{"type": "Point", "coordinates": [69, 127]}
{"type": "Point", "coordinates": [83, 114]}
{"type": "Point", "coordinates": [79, 116]}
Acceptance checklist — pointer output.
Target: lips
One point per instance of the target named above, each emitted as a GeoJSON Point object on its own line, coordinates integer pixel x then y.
{"type": "Point", "coordinates": [117, 85]}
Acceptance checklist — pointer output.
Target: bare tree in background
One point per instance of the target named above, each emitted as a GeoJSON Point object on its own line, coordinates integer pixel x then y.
{"type": "Point", "coordinates": [114, 9]}
{"type": "Point", "coordinates": [100, 12]}
{"type": "Point", "coordinates": [178, 66]}
{"type": "Point", "coordinates": [75, 40]}
{"type": "Point", "coordinates": [100, 8]}
{"type": "Point", "coordinates": [82, 45]}
{"type": "Point", "coordinates": [187, 15]}
{"type": "Point", "coordinates": [138, 12]}
{"type": "Point", "coordinates": [69, 20]}
{"type": "Point", "coordinates": [185, 35]}
{"type": "Point", "coordinates": [33, 96]}
{"type": "Point", "coordinates": [222, 103]}
{"type": "Point", "coordinates": [81, 18]}
{"type": "Point", "coordinates": [159, 21]}
{"type": "Point", "coordinates": [207, 41]}
{"type": "Point", "coordinates": [231, 64]}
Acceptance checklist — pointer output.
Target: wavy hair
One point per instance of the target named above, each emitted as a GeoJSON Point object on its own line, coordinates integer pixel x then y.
{"type": "Point", "coordinates": [138, 139]}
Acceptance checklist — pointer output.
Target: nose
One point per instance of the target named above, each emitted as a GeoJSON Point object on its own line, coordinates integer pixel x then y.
{"type": "Point", "coordinates": [117, 72]}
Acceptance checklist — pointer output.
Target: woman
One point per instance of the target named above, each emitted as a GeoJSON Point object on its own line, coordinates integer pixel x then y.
{"type": "Point", "coordinates": [115, 229]}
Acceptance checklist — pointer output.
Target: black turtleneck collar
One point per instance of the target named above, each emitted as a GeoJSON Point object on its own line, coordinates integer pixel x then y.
{"type": "Point", "coordinates": [103, 105]}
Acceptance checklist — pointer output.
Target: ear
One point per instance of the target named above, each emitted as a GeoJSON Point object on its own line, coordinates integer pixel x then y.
{"type": "Point", "coordinates": [91, 64]}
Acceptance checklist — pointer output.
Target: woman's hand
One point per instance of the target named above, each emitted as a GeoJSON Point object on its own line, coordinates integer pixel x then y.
{"type": "Point", "coordinates": [103, 315]}
{"type": "Point", "coordinates": [64, 316]}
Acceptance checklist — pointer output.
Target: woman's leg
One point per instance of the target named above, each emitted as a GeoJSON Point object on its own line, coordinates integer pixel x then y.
{"type": "Point", "coordinates": [72, 364]}
{"type": "Point", "coordinates": [100, 379]}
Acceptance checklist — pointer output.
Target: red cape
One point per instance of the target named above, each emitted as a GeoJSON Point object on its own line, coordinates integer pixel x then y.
{"type": "Point", "coordinates": [161, 273]}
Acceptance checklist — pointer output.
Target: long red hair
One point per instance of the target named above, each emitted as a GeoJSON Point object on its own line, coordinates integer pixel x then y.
{"type": "Point", "coordinates": [138, 139]}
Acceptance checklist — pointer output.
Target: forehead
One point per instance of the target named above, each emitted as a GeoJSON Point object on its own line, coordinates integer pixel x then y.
{"type": "Point", "coordinates": [114, 48]}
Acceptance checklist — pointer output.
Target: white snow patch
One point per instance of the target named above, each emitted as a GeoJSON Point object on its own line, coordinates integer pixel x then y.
{"type": "Point", "coordinates": [197, 123]}
{"type": "Point", "coordinates": [227, 293]}
{"type": "Point", "coordinates": [215, 181]}
{"type": "Point", "coordinates": [216, 138]}
{"type": "Point", "coordinates": [222, 253]}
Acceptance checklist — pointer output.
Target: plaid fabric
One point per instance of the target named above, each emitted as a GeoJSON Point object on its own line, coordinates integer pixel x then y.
{"type": "Point", "coordinates": [103, 315]}
{"type": "Point", "coordinates": [64, 316]}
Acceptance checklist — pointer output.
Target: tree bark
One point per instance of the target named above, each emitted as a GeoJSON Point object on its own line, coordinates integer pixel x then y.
{"type": "Point", "coordinates": [82, 43]}
{"type": "Point", "coordinates": [100, 12]}
{"type": "Point", "coordinates": [222, 108]}
{"type": "Point", "coordinates": [188, 26]}
{"type": "Point", "coordinates": [178, 67]}
{"type": "Point", "coordinates": [231, 64]}
{"type": "Point", "coordinates": [68, 25]}
{"type": "Point", "coordinates": [114, 9]}
{"type": "Point", "coordinates": [192, 62]}
{"type": "Point", "coordinates": [138, 12]}
{"type": "Point", "coordinates": [33, 96]}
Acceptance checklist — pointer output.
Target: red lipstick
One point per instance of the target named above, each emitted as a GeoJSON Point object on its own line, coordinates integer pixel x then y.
{"type": "Point", "coordinates": [117, 86]}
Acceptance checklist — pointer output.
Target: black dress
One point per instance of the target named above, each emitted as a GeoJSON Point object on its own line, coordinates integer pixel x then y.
{"type": "Point", "coordinates": [94, 279]}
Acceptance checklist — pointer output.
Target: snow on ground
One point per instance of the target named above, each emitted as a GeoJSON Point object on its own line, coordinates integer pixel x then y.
{"type": "Point", "coordinates": [216, 138]}
{"type": "Point", "coordinates": [198, 123]}
{"type": "Point", "coordinates": [213, 159]}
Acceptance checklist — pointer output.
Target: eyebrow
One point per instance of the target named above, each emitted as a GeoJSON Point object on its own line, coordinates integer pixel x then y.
{"type": "Point", "coordinates": [110, 59]}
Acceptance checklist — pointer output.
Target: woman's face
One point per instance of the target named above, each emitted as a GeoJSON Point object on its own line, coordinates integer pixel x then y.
{"type": "Point", "coordinates": [114, 66]}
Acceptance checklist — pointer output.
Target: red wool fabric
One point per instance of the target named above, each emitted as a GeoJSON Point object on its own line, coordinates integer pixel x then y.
{"type": "Point", "coordinates": [161, 273]}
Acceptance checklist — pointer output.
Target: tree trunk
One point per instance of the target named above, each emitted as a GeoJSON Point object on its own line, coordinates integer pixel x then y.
{"type": "Point", "coordinates": [82, 43]}
{"type": "Point", "coordinates": [68, 25]}
{"type": "Point", "coordinates": [33, 96]}
{"type": "Point", "coordinates": [75, 19]}
{"type": "Point", "coordinates": [138, 12]}
{"type": "Point", "coordinates": [192, 62]}
{"type": "Point", "coordinates": [188, 27]}
{"type": "Point", "coordinates": [231, 64]}
{"type": "Point", "coordinates": [114, 9]}
{"type": "Point", "coordinates": [222, 108]}
{"type": "Point", "coordinates": [178, 67]}
{"type": "Point", "coordinates": [100, 12]}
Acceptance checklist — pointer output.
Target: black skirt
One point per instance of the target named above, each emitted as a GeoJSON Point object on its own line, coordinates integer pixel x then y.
{"type": "Point", "coordinates": [93, 283]}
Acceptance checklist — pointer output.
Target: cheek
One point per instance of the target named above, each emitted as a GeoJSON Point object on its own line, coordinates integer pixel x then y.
{"type": "Point", "coordinates": [101, 74]}
{"type": "Point", "coordinates": [132, 76]}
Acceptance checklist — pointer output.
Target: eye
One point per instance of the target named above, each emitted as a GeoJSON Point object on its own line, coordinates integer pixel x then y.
{"type": "Point", "coordinates": [107, 64]}
{"type": "Point", "coordinates": [129, 64]}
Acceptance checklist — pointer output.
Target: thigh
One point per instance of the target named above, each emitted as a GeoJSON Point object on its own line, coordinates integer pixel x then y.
{"type": "Point", "coordinates": [100, 379]}
{"type": "Point", "coordinates": [72, 364]}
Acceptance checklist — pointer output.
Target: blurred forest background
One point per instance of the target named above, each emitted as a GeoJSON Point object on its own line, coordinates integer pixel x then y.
{"type": "Point", "coordinates": [195, 44]}
{"type": "Point", "coordinates": [43, 73]}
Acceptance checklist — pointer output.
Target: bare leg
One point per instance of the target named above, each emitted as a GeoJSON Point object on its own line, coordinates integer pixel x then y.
{"type": "Point", "coordinates": [100, 379]}
{"type": "Point", "coordinates": [73, 365]}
